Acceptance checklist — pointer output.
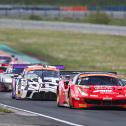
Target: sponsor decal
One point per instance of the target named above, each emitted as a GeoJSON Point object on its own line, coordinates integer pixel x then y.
{"type": "Point", "coordinates": [103, 88]}
{"type": "Point", "coordinates": [94, 95]}
{"type": "Point", "coordinates": [102, 91]}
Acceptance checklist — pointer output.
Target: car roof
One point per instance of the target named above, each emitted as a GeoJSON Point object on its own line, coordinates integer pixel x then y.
{"type": "Point", "coordinates": [98, 74]}
{"type": "Point", "coordinates": [37, 67]}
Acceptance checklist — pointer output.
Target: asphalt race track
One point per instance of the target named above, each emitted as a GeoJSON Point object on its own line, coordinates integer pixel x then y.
{"type": "Point", "coordinates": [84, 117]}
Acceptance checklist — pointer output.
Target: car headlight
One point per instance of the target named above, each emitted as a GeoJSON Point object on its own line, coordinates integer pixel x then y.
{"type": "Point", "coordinates": [82, 92]}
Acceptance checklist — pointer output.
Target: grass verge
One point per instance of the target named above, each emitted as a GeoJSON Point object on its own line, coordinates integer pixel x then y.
{"type": "Point", "coordinates": [77, 51]}
{"type": "Point", "coordinates": [97, 17]}
{"type": "Point", "coordinates": [3, 110]}
{"type": "Point", "coordinates": [101, 18]}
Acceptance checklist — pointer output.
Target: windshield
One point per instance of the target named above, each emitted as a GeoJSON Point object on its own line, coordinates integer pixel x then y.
{"type": "Point", "coordinates": [32, 75]}
{"type": "Point", "coordinates": [50, 73]}
{"type": "Point", "coordinates": [100, 80]}
{"type": "Point", "coordinates": [47, 73]}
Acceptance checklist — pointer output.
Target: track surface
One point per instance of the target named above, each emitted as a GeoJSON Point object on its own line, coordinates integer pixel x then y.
{"type": "Point", "coordinates": [61, 26]}
{"type": "Point", "coordinates": [89, 117]}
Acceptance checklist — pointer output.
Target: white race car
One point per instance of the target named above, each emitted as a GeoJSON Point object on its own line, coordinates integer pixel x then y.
{"type": "Point", "coordinates": [37, 82]}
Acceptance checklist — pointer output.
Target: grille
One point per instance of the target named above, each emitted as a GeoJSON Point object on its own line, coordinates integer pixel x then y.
{"type": "Point", "coordinates": [105, 102]}
{"type": "Point", "coordinates": [44, 95]}
{"type": "Point", "coordinates": [90, 101]}
{"type": "Point", "coordinates": [119, 102]}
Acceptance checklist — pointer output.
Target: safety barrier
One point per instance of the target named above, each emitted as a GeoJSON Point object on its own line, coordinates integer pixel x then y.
{"type": "Point", "coordinates": [72, 8]}
{"type": "Point", "coordinates": [107, 8]}
{"type": "Point", "coordinates": [64, 8]}
{"type": "Point", "coordinates": [63, 12]}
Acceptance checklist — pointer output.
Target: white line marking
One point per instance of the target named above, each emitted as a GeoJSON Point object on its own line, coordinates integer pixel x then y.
{"type": "Point", "coordinates": [46, 116]}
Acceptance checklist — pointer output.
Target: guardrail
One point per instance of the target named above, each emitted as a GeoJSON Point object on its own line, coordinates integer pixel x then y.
{"type": "Point", "coordinates": [63, 8]}
{"type": "Point", "coordinates": [52, 11]}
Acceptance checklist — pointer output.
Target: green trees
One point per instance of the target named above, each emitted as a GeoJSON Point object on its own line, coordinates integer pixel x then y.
{"type": "Point", "coordinates": [66, 2]}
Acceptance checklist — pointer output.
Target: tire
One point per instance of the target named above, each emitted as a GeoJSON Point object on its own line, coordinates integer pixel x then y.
{"type": "Point", "coordinates": [57, 99]}
{"type": "Point", "coordinates": [17, 98]}
{"type": "Point", "coordinates": [13, 97]}
{"type": "Point", "coordinates": [69, 100]}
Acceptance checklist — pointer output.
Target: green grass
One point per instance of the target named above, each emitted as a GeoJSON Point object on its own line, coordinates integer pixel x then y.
{"type": "Point", "coordinates": [87, 19]}
{"type": "Point", "coordinates": [120, 22]}
{"type": "Point", "coordinates": [76, 51]}
{"type": "Point", "coordinates": [93, 18]}
{"type": "Point", "coordinates": [3, 110]}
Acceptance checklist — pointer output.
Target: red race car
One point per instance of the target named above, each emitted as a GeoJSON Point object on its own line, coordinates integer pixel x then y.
{"type": "Point", "coordinates": [90, 89]}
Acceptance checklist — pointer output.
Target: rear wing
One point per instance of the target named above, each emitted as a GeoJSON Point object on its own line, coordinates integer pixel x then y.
{"type": "Point", "coordinates": [20, 65]}
{"type": "Point", "coordinates": [69, 74]}
{"type": "Point", "coordinates": [73, 73]}
{"type": "Point", "coordinates": [17, 69]}
{"type": "Point", "coordinates": [99, 72]}
{"type": "Point", "coordinates": [60, 67]}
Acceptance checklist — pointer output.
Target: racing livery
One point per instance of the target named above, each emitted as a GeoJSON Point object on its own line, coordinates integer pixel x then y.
{"type": "Point", "coordinates": [6, 78]}
{"type": "Point", "coordinates": [37, 82]}
{"type": "Point", "coordinates": [90, 89]}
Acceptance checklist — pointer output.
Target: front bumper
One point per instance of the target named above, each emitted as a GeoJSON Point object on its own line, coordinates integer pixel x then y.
{"type": "Point", "coordinates": [90, 102]}
{"type": "Point", "coordinates": [49, 89]}
{"type": "Point", "coordinates": [40, 95]}
{"type": "Point", "coordinates": [44, 95]}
